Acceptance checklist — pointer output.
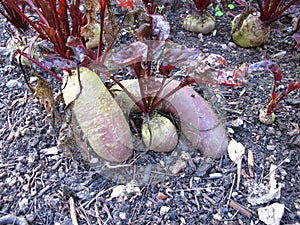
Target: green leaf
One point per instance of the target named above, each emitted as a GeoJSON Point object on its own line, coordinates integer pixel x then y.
{"type": "Point", "coordinates": [219, 13]}
{"type": "Point", "coordinates": [230, 6]}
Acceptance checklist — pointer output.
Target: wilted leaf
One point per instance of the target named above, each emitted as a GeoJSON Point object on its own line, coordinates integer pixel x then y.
{"type": "Point", "coordinates": [266, 193]}
{"type": "Point", "coordinates": [269, 66]}
{"type": "Point", "coordinates": [235, 150]}
{"type": "Point", "coordinates": [135, 52]}
{"type": "Point", "coordinates": [158, 29]}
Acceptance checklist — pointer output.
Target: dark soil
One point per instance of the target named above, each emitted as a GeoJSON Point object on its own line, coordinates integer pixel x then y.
{"type": "Point", "coordinates": [40, 185]}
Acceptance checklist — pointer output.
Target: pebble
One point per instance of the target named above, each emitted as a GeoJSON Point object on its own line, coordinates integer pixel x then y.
{"type": "Point", "coordinates": [272, 214]}
{"type": "Point", "coordinates": [117, 191]}
{"type": "Point", "coordinates": [271, 130]}
{"type": "Point", "coordinates": [23, 204]}
{"type": "Point", "coordinates": [32, 79]}
{"type": "Point", "coordinates": [232, 45]}
{"type": "Point", "coordinates": [161, 196]}
{"type": "Point", "coordinates": [178, 166]}
{"type": "Point", "coordinates": [31, 158]}
{"type": "Point", "coordinates": [224, 47]}
{"type": "Point", "coordinates": [234, 194]}
{"type": "Point", "coordinates": [271, 147]}
{"type": "Point", "coordinates": [13, 83]}
{"type": "Point", "coordinates": [122, 215]}
{"type": "Point", "coordinates": [164, 210]}
{"type": "Point", "coordinates": [230, 130]}
{"type": "Point", "coordinates": [238, 122]}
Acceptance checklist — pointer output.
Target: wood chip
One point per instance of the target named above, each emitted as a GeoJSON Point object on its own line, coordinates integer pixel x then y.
{"type": "Point", "coordinates": [240, 208]}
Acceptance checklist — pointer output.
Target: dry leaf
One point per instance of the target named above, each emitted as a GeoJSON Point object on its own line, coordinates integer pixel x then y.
{"type": "Point", "coordinates": [266, 193]}
{"type": "Point", "coordinates": [250, 162]}
{"type": "Point", "coordinates": [235, 150]}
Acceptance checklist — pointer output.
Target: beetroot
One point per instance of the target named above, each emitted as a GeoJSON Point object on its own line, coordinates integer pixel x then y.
{"type": "Point", "coordinates": [198, 122]}
{"type": "Point", "coordinates": [100, 118]}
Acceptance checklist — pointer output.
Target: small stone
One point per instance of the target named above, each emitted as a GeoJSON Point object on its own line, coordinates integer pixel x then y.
{"type": "Point", "coordinates": [122, 215]}
{"type": "Point", "coordinates": [178, 166]}
{"type": "Point", "coordinates": [33, 79]}
{"type": "Point", "coordinates": [164, 210]}
{"type": "Point", "coordinates": [224, 47]}
{"type": "Point", "coordinates": [238, 122]}
{"type": "Point", "coordinates": [13, 84]}
{"type": "Point", "coordinates": [117, 191]}
{"type": "Point", "coordinates": [271, 130]}
{"type": "Point", "coordinates": [217, 217]}
{"type": "Point", "coordinates": [23, 204]}
{"type": "Point", "coordinates": [30, 217]}
{"type": "Point", "coordinates": [31, 158]}
{"type": "Point", "coordinates": [232, 45]}
{"type": "Point", "coordinates": [272, 214]}
{"type": "Point", "coordinates": [271, 147]}
{"type": "Point", "coordinates": [234, 194]}
{"type": "Point", "coordinates": [230, 130]}
{"type": "Point", "coordinates": [161, 196]}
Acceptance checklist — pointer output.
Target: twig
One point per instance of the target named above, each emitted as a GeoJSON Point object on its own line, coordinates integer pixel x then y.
{"type": "Point", "coordinates": [231, 189]}
{"type": "Point", "coordinates": [213, 202]}
{"type": "Point", "coordinates": [73, 211]}
{"type": "Point", "coordinates": [44, 190]}
{"type": "Point", "coordinates": [274, 169]}
{"type": "Point", "coordinates": [8, 165]}
{"type": "Point", "coordinates": [98, 215]}
{"type": "Point", "coordinates": [87, 204]}
{"type": "Point", "coordinates": [240, 208]}
{"type": "Point", "coordinates": [11, 219]}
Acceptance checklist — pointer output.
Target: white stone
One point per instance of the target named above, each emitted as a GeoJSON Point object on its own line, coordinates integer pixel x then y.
{"type": "Point", "coordinates": [272, 214]}
{"type": "Point", "coordinates": [164, 210]}
{"type": "Point", "coordinates": [122, 215]}
{"type": "Point", "coordinates": [13, 83]}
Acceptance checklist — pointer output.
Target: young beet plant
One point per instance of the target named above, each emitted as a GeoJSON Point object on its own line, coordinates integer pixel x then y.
{"type": "Point", "coordinates": [200, 20]}
{"type": "Point", "coordinates": [251, 28]}
{"type": "Point", "coordinates": [267, 116]}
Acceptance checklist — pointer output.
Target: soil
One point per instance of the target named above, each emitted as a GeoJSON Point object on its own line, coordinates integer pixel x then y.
{"type": "Point", "coordinates": [40, 183]}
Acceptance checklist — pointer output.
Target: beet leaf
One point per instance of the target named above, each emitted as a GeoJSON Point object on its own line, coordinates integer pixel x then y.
{"type": "Point", "coordinates": [277, 77]}
{"type": "Point", "coordinates": [271, 10]}
{"type": "Point", "coordinates": [201, 5]}
{"type": "Point", "coordinates": [13, 16]}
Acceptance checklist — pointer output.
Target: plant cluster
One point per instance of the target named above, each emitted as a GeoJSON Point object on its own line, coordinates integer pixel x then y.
{"type": "Point", "coordinates": [66, 31]}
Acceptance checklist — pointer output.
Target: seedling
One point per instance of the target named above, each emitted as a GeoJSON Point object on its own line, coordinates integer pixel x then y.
{"type": "Point", "coordinates": [268, 116]}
